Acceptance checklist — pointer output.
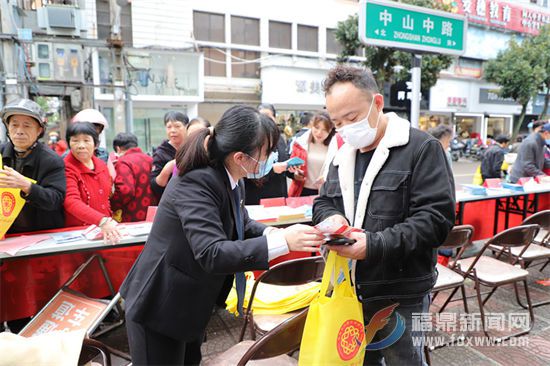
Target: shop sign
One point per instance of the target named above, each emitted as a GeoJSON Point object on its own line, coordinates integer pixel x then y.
{"type": "Point", "coordinates": [461, 102]}
{"type": "Point", "coordinates": [507, 15]}
{"type": "Point", "coordinates": [492, 96]}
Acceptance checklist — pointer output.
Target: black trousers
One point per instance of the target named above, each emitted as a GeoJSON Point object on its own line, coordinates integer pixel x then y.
{"type": "Point", "coordinates": [152, 348]}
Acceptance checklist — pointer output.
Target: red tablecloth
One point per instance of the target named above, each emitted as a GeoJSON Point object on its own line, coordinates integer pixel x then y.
{"type": "Point", "coordinates": [26, 285]}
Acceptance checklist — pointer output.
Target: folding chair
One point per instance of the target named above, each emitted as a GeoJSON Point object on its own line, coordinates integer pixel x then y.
{"type": "Point", "coordinates": [493, 273]}
{"type": "Point", "coordinates": [91, 349]}
{"type": "Point", "coordinates": [290, 273]}
{"type": "Point", "coordinates": [447, 278]}
{"type": "Point", "coordinates": [457, 240]}
{"type": "Point", "coordinates": [535, 252]}
{"type": "Point", "coordinates": [273, 347]}
{"type": "Point", "coordinates": [540, 248]}
{"type": "Point", "coordinates": [542, 219]}
{"type": "Point", "coordinates": [70, 309]}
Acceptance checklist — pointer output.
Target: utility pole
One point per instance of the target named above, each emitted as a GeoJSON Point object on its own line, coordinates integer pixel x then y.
{"type": "Point", "coordinates": [415, 100]}
{"type": "Point", "coordinates": [9, 88]}
{"type": "Point", "coordinates": [122, 108]}
{"type": "Point", "coordinates": [8, 62]}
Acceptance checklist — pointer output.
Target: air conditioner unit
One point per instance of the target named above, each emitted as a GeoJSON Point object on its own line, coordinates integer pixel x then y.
{"type": "Point", "coordinates": [61, 20]}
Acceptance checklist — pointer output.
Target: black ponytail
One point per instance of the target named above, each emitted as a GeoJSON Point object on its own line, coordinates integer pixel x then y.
{"type": "Point", "coordinates": [241, 128]}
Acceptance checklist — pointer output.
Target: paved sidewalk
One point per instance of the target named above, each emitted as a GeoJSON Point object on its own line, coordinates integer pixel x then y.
{"type": "Point", "coordinates": [223, 331]}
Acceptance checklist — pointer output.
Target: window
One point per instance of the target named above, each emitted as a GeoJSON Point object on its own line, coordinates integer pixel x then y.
{"type": "Point", "coordinates": [209, 26]}
{"type": "Point", "coordinates": [307, 38]}
{"type": "Point", "coordinates": [245, 70]}
{"type": "Point", "coordinates": [103, 15]}
{"type": "Point", "coordinates": [214, 62]}
{"type": "Point", "coordinates": [245, 31]}
{"type": "Point", "coordinates": [280, 35]}
{"type": "Point", "coordinates": [333, 46]}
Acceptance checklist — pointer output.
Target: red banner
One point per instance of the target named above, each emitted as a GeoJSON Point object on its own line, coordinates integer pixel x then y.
{"type": "Point", "coordinates": [502, 14]}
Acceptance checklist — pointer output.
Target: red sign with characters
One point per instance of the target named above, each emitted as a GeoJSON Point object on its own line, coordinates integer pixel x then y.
{"type": "Point", "coordinates": [502, 14]}
{"type": "Point", "coordinates": [66, 312]}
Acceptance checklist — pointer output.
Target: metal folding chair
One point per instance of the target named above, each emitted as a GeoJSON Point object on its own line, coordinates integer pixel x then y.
{"type": "Point", "coordinates": [493, 273]}
{"type": "Point", "coordinates": [273, 346]}
{"type": "Point", "coordinates": [290, 273]}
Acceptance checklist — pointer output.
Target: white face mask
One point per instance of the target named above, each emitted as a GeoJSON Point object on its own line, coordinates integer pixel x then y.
{"type": "Point", "coordinates": [360, 134]}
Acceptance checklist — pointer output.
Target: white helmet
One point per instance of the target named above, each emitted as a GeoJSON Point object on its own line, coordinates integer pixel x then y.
{"type": "Point", "coordinates": [92, 116]}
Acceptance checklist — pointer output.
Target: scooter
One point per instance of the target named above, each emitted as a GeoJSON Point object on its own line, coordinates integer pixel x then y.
{"type": "Point", "coordinates": [457, 149]}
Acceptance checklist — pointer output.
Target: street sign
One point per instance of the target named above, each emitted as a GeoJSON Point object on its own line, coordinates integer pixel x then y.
{"type": "Point", "coordinates": [413, 28]}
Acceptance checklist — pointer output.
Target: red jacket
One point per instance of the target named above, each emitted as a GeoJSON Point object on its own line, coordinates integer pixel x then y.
{"type": "Point", "coordinates": [133, 194]}
{"type": "Point", "coordinates": [299, 150]}
{"type": "Point", "coordinates": [88, 191]}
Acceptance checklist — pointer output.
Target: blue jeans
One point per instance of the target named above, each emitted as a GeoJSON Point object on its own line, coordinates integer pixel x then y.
{"type": "Point", "coordinates": [409, 349]}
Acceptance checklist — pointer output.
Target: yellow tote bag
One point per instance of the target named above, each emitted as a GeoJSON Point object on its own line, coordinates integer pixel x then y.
{"type": "Point", "coordinates": [11, 204]}
{"type": "Point", "coordinates": [334, 332]}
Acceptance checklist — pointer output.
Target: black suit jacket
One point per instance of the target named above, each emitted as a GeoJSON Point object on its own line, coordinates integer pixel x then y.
{"type": "Point", "coordinates": [172, 287]}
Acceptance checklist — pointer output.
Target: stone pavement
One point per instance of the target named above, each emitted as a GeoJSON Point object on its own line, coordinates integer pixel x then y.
{"type": "Point", "coordinates": [223, 331]}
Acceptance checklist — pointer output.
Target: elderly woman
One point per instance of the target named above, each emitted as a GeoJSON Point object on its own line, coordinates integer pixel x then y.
{"type": "Point", "coordinates": [25, 156]}
{"type": "Point", "coordinates": [88, 183]}
{"type": "Point", "coordinates": [163, 157]}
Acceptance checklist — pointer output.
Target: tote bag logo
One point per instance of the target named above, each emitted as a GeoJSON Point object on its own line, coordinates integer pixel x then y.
{"type": "Point", "coordinates": [349, 340]}
{"type": "Point", "coordinates": [8, 203]}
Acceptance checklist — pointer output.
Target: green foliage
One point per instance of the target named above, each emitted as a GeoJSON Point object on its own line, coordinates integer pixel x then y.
{"type": "Point", "coordinates": [383, 61]}
{"type": "Point", "coordinates": [539, 47]}
{"type": "Point", "coordinates": [518, 74]}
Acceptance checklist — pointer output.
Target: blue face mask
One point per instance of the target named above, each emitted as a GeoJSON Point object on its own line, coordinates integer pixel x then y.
{"type": "Point", "coordinates": [548, 142]}
{"type": "Point", "coordinates": [264, 166]}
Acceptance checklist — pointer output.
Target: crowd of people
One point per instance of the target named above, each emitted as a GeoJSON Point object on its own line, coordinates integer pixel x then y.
{"type": "Point", "coordinates": [77, 182]}
{"type": "Point", "coordinates": [369, 169]}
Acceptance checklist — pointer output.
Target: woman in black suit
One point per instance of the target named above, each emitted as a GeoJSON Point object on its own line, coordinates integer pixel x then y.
{"type": "Point", "coordinates": [201, 233]}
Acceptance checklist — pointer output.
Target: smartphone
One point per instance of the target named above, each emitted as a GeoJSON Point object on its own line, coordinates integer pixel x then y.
{"type": "Point", "coordinates": [339, 240]}
{"type": "Point", "coordinates": [295, 161]}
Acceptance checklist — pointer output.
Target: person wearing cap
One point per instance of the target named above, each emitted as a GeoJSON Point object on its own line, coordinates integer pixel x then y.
{"type": "Point", "coordinates": [25, 156]}
{"type": "Point", "coordinates": [530, 161]}
{"type": "Point", "coordinates": [491, 162]}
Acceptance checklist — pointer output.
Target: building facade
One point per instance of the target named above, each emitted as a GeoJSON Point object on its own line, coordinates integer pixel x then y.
{"type": "Point", "coordinates": [136, 60]}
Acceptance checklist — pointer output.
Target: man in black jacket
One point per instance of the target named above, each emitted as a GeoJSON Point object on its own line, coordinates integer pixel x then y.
{"type": "Point", "coordinates": [24, 156]}
{"type": "Point", "coordinates": [491, 164]}
{"type": "Point", "coordinates": [531, 161]}
{"type": "Point", "coordinates": [393, 182]}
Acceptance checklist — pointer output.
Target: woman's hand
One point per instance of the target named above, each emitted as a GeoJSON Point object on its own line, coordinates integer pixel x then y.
{"type": "Point", "coordinates": [280, 168]}
{"type": "Point", "coordinates": [299, 175]}
{"type": "Point", "coordinates": [303, 238]}
{"type": "Point", "coordinates": [111, 235]}
{"type": "Point", "coordinates": [166, 173]}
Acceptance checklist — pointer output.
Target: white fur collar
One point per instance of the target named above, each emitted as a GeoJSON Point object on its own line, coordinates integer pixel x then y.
{"type": "Point", "coordinates": [396, 134]}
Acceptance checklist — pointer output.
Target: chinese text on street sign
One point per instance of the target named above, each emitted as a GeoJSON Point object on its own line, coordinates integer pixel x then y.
{"type": "Point", "coordinates": [390, 24]}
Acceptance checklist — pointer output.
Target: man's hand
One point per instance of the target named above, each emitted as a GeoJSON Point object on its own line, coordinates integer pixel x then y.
{"type": "Point", "coordinates": [355, 251]}
{"type": "Point", "coordinates": [339, 219]}
{"type": "Point", "coordinates": [10, 178]}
